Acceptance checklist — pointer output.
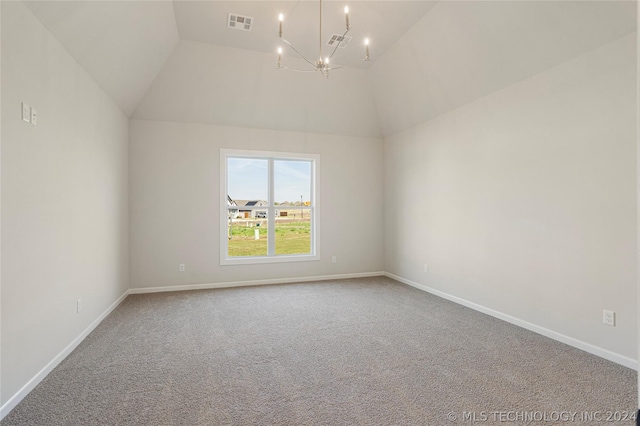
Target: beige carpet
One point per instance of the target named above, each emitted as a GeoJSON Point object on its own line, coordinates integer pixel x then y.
{"type": "Point", "coordinates": [352, 352]}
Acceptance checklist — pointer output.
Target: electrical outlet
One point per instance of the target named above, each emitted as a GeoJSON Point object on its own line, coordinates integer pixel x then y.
{"type": "Point", "coordinates": [79, 306]}
{"type": "Point", "coordinates": [34, 116]}
{"type": "Point", "coordinates": [26, 112]}
{"type": "Point", "coordinates": [182, 268]}
{"type": "Point", "coordinates": [334, 259]}
{"type": "Point", "coordinates": [609, 317]}
{"type": "Point", "coordinates": [426, 267]}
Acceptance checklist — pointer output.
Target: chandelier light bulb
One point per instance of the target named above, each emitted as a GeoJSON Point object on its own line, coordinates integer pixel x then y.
{"type": "Point", "coordinates": [281, 17]}
{"type": "Point", "coordinates": [366, 49]}
{"type": "Point", "coordinates": [346, 16]}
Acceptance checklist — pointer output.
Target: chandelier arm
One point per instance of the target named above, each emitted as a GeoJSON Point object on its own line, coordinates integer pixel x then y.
{"type": "Point", "coordinates": [298, 53]}
{"type": "Point", "coordinates": [338, 45]}
{"type": "Point", "coordinates": [295, 69]}
{"type": "Point", "coordinates": [322, 64]}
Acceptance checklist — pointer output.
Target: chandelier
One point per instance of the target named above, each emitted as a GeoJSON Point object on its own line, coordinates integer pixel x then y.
{"type": "Point", "coordinates": [322, 65]}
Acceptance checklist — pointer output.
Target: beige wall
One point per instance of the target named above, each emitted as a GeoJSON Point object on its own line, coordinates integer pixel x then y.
{"type": "Point", "coordinates": [64, 200]}
{"type": "Point", "coordinates": [527, 201]}
{"type": "Point", "coordinates": [174, 203]}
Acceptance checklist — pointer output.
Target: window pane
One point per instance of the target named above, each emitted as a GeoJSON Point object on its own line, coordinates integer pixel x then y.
{"type": "Point", "coordinates": [293, 231]}
{"type": "Point", "coordinates": [247, 237]}
{"type": "Point", "coordinates": [292, 182]}
{"type": "Point", "coordinates": [247, 181]}
{"type": "Point", "coordinates": [269, 212]}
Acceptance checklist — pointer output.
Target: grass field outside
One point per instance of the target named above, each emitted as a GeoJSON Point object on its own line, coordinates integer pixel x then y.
{"type": "Point", "coordinates": [292, 237]}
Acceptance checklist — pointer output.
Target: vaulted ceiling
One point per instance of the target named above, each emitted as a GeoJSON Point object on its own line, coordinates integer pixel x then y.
{"type": "Point", "coordinates": [124, 44]}
{"type": "Point", "coordinates": [178, 60]}
{"type": "Point", "coordinates": [462, 51]}
{"type": "Point", "coordinates": [121, 44]}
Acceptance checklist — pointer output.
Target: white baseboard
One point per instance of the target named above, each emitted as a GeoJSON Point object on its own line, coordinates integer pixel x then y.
{"type": "Point", "coordinates": [579, 344]}
{"type": "Point", "coordinates": [35, 380]}
{"type": "Point", "coordinates": [253, 282]}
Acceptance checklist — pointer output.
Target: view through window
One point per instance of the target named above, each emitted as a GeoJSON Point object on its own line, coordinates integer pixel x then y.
{"type": "Point", "coordinates": [270, 207]}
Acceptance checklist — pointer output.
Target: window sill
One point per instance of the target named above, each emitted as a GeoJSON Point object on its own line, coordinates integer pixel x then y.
{"type": "Point", "coordinates": [252, 260]}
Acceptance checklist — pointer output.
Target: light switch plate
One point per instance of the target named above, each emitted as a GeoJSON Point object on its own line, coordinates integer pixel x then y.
{"type": "Point", "coordinates": [26, 113]}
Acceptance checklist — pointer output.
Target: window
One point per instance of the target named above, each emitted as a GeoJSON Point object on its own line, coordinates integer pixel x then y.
{"type": "Point", "coordinates": [269, 207]}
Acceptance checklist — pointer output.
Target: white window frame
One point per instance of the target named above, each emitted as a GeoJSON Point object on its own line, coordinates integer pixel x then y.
{"type": "Point", "coordinates": [271, 257]}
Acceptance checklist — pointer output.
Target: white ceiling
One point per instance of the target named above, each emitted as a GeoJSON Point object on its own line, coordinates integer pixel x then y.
{"type": "Point", "coordinates": [121, 44]}
{"type": "Point", "coordinates": [464, 50]}
{"type": "Point", "coordinates": [205, 83]}
{"type": "Point", "coordinates": [124, 44]}
{"type": "Point", "coordinates": [427, 57]}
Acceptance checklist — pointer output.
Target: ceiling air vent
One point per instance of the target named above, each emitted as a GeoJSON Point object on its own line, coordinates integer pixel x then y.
{"type": "Point", "coordinates": [337, 38]}
{"type": "Point", "coordinates": [239, 22]}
